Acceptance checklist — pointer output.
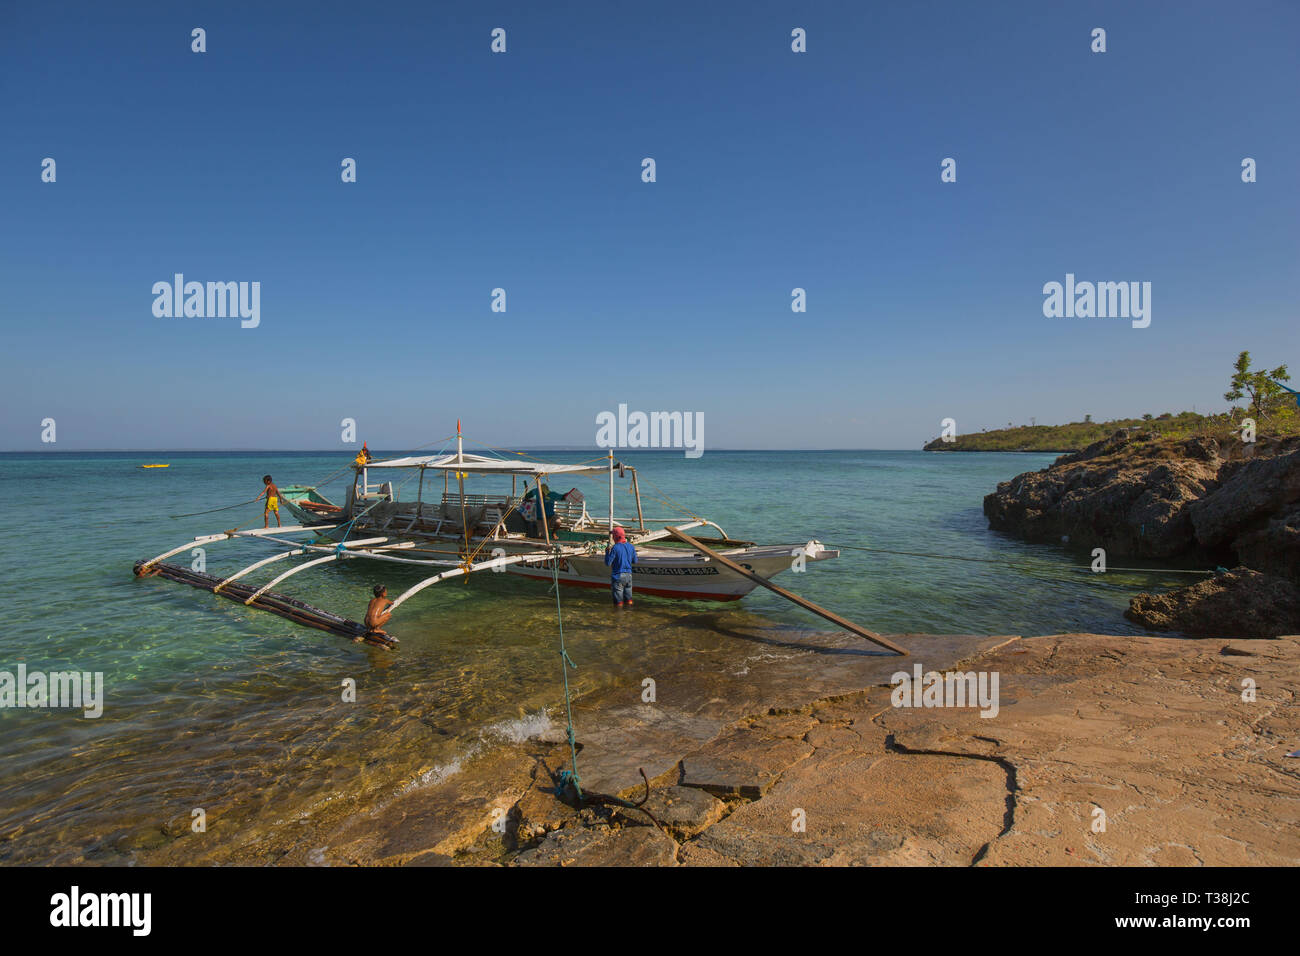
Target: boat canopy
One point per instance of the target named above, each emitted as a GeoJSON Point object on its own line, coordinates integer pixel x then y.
{"type": "Point", "coordinates": [481, 464]}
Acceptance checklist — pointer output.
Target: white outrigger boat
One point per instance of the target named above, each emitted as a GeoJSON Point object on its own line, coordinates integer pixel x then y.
{"type": "Point", "coordinates": [528, 531]}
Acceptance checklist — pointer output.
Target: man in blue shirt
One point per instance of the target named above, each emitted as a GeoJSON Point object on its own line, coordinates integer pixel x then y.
{"type": "Point", "coordinates": [620, 556]}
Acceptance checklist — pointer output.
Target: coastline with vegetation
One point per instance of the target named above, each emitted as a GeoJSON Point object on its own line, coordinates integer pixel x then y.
{"type": "Point", "coordinates": [1076, 436]}
{"type": "Point", "coordinates": [1221, 491]}
{"type": "Point", "coordinates": [1274, 409]}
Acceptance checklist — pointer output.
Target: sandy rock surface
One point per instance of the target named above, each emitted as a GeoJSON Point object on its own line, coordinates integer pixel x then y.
{"type": "Point", "coordinates": [1104, 750]}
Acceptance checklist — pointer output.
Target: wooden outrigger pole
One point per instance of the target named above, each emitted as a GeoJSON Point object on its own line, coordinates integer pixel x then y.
{"type": "Point", "coordinates": [299, 612]}
{"type": "Point", "coordinates": [804, 603]}
{"type": "Point", "coordinates": [481, 566]}
{"type": "Point", "coordinates": [264, 533]}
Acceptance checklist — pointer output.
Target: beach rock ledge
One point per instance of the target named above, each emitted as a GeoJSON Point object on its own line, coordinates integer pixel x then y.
{"type": "Point", "coordinates": [1240, 603]}
{"type": "Point", "coordinates": [1230, 503]}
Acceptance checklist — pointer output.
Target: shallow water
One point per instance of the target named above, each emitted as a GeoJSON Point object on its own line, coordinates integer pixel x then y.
{"type": "Point", "coordinates": [211, 705]}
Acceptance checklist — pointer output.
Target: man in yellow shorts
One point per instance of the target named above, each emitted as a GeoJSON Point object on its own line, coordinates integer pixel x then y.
{"type": "Point", "coordinates": [272, 501]}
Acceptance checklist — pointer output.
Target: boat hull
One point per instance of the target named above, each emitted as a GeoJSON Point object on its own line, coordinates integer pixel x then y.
{"type": "Point", "coordinates": [308, 506]}
{"type": "Point", "coordinates": [681, 576]}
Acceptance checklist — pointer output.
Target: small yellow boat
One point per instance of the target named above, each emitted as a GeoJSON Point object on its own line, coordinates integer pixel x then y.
{"type": "Point", "coordinates": [156, 466]}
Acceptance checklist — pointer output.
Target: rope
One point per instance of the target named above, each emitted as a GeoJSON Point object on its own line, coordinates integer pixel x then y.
{"type": "Point", "coordinates": [663, 497]}
{"type": "Point", "coordinates": [565, 663]}
{"type": "Point", "coordinates": [1030, 566]}
{"type": "Point", "coordinates": [347, 528]}
{"type": "Point", "coordinates": [484, 543]}
{"type": "Point", "coordinates": [215, 510]}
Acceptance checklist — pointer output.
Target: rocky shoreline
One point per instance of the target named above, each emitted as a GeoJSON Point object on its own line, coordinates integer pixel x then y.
{"type": "Point", "coordinates": [1103, 750]}
{"type": "Point", "coordinates": [1190, 500]}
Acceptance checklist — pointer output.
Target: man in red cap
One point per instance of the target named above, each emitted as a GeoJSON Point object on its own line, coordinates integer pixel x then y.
{"type": "Point", "coordinates": [620, 556]}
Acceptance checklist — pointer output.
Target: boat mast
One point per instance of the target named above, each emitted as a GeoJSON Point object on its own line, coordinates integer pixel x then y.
{"type": "Point", "coordinates": [541, 506]}
{"type": "Point", "coordinates": [460, 484]}
{"type": "Point", "coordinates": [636, 491]}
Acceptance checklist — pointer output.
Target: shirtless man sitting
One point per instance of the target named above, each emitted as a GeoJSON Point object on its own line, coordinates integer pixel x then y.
{"type": "Point", "coordinates": [377, 614]}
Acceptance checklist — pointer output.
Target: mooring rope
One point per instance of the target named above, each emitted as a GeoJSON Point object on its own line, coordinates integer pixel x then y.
{"type": "Point", "coordinates": [215, 510]}
{"type": "Point", "coordinates": [1029, 566]}
{"type": "Point", "coordinates": [565, 663]}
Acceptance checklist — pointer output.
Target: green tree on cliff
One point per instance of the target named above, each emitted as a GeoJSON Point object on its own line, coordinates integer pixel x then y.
{"type": "Point", "coordinates": [1260, 386]}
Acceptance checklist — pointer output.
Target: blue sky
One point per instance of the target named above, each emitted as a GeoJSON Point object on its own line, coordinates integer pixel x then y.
{"type": "Point", "coordinates": [522, 171]}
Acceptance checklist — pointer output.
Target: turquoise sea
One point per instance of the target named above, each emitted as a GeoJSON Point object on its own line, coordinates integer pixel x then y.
{"type": "Point", "coordinates": [211, 705]}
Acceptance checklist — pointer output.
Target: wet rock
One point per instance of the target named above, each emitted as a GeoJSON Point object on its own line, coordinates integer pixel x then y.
{"type": "Point", "coordinates": [741, 763]}
{"type": "Point", "coordinates": [430, 859]}
{"type": "Point", "coordinates": [143, 838]}
{"type": "Point", "coordinates": [684, 810]}
{"type": "Point", "coordinates": [538, 812]}
{"type": "Point", "coordinates": [1241, 603]}
{"type": "Point", "coordinates": [628, 846]}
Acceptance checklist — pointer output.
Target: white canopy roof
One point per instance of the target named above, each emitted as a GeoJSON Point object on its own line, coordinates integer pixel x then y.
{"type": "Point", "coordinates": [483, 465]}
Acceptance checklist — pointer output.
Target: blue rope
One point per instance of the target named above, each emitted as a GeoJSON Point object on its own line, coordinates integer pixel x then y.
{"type": "Point", "coordinates": [566, 777]}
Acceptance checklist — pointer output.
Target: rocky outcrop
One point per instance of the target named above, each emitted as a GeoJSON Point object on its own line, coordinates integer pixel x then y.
{"type": "Point", "coordinates": [1162, 499]}
{"type": "Point", "coordinates": [1240, 603]}
{"type": "Point", "coordinates": [1255, 513]}
{"type": "Point", "coordinates": [1120, 494]}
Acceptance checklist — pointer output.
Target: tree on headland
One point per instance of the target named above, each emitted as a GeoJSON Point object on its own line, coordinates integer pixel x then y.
{"type": "Point", "coordinates": [1260, 386]}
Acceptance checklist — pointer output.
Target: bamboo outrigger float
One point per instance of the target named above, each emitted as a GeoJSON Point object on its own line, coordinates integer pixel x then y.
{"type": "Point", "coordinates": [536, 534]}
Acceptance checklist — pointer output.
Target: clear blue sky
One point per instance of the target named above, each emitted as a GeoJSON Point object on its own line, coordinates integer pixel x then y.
{"type": "Point", "coordinates": [522, 170]}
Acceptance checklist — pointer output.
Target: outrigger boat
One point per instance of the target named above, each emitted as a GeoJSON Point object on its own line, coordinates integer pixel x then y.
{"type": "Point", "coordinates": [529, 531]}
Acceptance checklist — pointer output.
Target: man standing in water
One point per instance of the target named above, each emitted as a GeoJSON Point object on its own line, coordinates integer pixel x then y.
{"type": "Point", "coordinates": [377, 614]}
{"type": "Point", "coordinates": [272, 501]}
{"type": "Point", "coordinates": [620, 556]}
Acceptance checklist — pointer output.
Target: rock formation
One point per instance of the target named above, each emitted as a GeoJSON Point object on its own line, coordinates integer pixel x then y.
{"type": "Point", "coordinates": [1240, 603]}
{"type": "Point", "coordinates": [1158, 499]}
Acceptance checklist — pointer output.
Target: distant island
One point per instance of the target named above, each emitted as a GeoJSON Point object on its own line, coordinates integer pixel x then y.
{"type": "Point", "coordinates": [1076, 436]}
{"type": "Point", "coordinates": [1274, 407]}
